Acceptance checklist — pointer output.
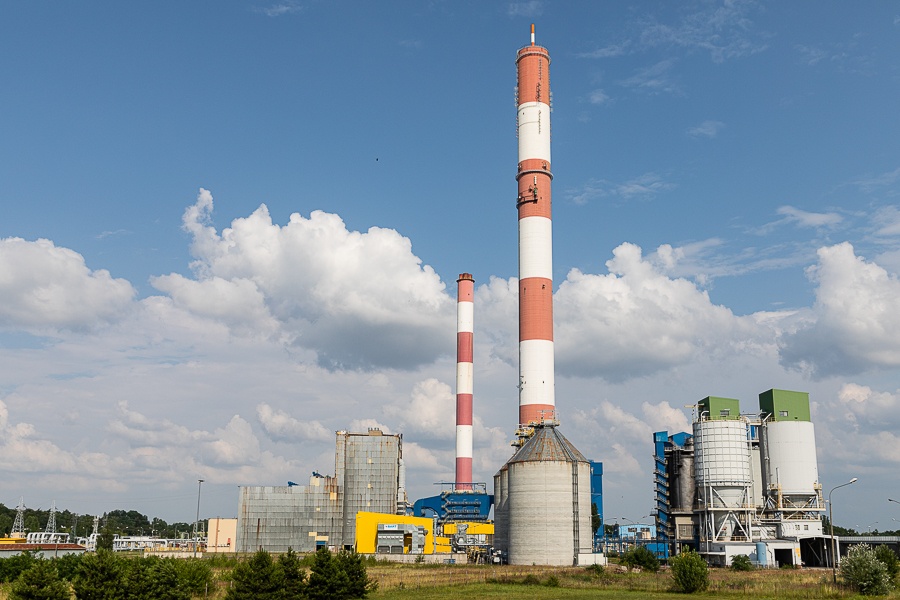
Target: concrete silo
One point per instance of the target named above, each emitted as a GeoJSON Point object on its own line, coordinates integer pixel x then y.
{"type": "Point", "coordinates": [548, 501]}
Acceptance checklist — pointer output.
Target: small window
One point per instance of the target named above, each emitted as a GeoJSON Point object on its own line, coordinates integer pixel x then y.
{"type": "Point", "coordinates": [724, 412]}
{"type": "Point", "coordinates": [782, 413]}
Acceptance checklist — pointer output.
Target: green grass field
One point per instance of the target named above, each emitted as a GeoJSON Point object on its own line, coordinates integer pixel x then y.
{"type": "Point", "coordinates": [424, 583]}
{"type": "Point", "coordinates": [439, 582]}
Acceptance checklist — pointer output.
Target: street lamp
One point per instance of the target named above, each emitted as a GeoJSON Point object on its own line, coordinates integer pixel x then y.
{"type": "Point", "coordinates": [197, 522]}
{"type": "Point", "coordinates": [831, 524]}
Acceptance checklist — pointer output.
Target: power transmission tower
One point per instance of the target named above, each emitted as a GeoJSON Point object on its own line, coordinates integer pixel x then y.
{"type": "Point", "coordinates": [19, 523]}
{"type": "Point", "coordinates": [51, 521]}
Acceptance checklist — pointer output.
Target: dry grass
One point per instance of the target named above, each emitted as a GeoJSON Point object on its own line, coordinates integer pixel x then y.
{"type": "Point", "coordinates": [495, 581]}
{"type": "Point", "coordinates": [424, 582]}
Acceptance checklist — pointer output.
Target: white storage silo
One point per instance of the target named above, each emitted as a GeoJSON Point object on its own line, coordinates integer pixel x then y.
{"type": "Point", "coordinates": [548, 494]}
{"type": "Point", "coordinates": [723, 476]}
{"type": "Point", "coordinates": [790, 467]}
{"type": "Point", "coordinates": [790, 470]}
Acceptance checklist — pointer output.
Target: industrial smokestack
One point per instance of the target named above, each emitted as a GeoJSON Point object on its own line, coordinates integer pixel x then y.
{"type": "Point", "coordinates": [543, 493]}
{"type": "Point", "coordinates": [537, 402]}
{"type": "Point", "coordinates": [465, 327]}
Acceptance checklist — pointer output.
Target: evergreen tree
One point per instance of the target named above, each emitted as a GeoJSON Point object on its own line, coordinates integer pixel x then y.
{"type": "Point", "coordinates": [67, 565]}
{"type": "Point", "coordinates": [294, 576]}
{"type": "Point", "coordinates": [166, 582]}
{"type": "Point", "coordinates": [327, 578]}
{"type": "Point", "coordinates": [136, 577]}
{"type": "Point", "coordinates": [105, 539]}
{"type": "Point", "coordinates": [40, 582]}
{"type": "Point", "coordinates": [358, 583]}
{"type": "Point", "coordinates": [194, 575]}
{"type": "Point", "coordinates": [258, 578]}
{"type": "Point", "coordinates": [100, 577]}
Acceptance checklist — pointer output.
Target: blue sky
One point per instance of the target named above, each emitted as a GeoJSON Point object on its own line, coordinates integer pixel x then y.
{"type": "Point", "coordinates": [231, 228]}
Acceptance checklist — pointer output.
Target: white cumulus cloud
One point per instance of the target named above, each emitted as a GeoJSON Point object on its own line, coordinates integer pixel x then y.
{"type": "Point", "coordinates": [854, 324]}
{"type": "Point", "coordinates": [635, 321]}
{"type": "Point", "coordinates": [283, 427]}
{"type": "Point", "coordinates": [45, 286]}
{"type": "Point", "coordinates": [360, 300]}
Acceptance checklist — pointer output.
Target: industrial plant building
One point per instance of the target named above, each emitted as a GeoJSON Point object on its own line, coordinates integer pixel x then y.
{"type": "Point", "coordinates": [743, 483]}
{"type": "Point", "coordinates": [369, 476]}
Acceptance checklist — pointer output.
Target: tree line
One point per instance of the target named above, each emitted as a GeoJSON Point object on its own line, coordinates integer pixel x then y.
{"type": "Point", "coordinates": [105, 575]}
{"type": "Point", "coordinates": [122, 522]}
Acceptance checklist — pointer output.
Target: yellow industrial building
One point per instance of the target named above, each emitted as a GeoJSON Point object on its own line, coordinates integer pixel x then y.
{"type": "Point", "coordinates": [382, 533]}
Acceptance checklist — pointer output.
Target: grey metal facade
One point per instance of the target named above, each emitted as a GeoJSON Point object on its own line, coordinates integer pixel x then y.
{"type": "Point", "coordinates": [366, 478]}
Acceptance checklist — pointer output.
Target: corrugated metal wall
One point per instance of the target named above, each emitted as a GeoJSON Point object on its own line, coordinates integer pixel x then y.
{"type": "Point", "coordinates": [280, 517]}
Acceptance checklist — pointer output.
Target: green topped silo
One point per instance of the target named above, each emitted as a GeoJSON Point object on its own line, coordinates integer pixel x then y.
{"type": "Point", "coordinates": [718, 409]}
{"type": "Point", "coordinates": [784, 405]}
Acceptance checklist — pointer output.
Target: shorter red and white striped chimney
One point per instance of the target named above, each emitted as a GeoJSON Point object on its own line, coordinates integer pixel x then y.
{"type": "Point", "coordinates": [465, 327]}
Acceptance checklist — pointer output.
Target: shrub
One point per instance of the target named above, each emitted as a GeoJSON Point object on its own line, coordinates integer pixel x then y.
{"type": "Point", "coordinates": [552, 581]}
{"type": "Point", "coordinates": [40, 582]}
{"type": "Point", "coordinates": [741, 562]}
{"type": "Point", "coordinates": [889, 559]}
{"type": "Point", "coordinates": [594, 569]}
{"type": "Point", "coordinates": [194, 575]}
{"type": "Point", "coordinates": [99, 577]}
{"type": "Point", "coordinates": [136, 577]}
{"type": "Point", "coordinates": [167, 581]}
{"type": "Point", "coordinates": [864, 572]}
{"type": "Point", "coordinates": [256, 578]}
{"type": "Point", "coordinates": [690, 572]}
{"type": "Point", "coordinates": [220, 560]}
{"type": "Point", "coordinates": [67, 565]}
{"type": "Point", "coordinates": [12, 567]}
{"type": "Point", "coordinates": [641, 556]}
{"type": "Point", "coordinates": [532, 579]}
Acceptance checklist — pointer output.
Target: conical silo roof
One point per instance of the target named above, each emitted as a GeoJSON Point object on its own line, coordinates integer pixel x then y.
{"type": "Point", "coordinates": [547, 444]}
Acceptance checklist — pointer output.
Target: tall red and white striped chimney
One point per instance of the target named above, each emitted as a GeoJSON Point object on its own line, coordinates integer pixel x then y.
{"type": "Point", "coordinates": [537, 403]}
{"type": "Point", "coordinates": [465, 327]}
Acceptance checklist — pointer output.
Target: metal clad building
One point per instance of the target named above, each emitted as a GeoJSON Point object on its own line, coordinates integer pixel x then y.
{"type": "Point", "coordinates": [323, 513]}
{"type": "Point", "coordinates": [369, 475]}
